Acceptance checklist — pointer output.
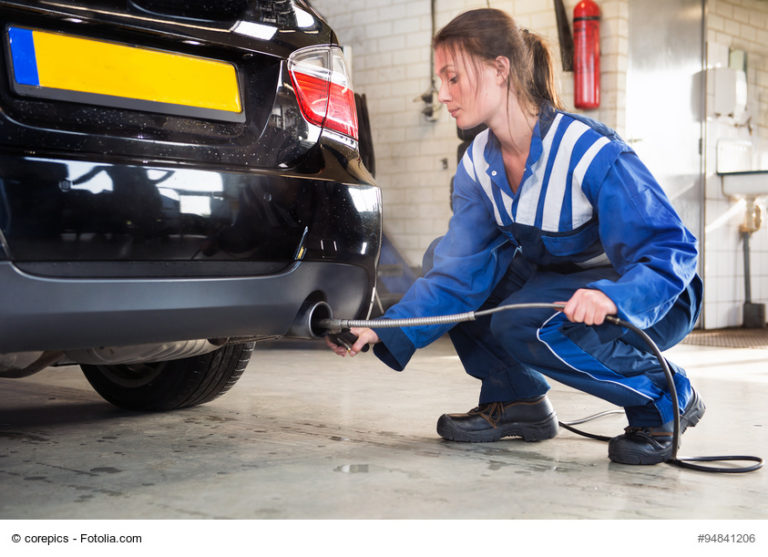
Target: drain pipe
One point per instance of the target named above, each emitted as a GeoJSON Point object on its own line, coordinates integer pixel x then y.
{"type": "Point", "coordinates": [753, 314]}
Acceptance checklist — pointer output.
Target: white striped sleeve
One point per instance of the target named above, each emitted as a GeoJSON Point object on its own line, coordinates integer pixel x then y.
{"type": "Point", "coordinates": [469, 167]}
{"type": "Point", "coordinates": [581, 207]}
{"type": "Point", "coordinates": [480, 167]}
{"type": "Point", "coordinates": [553, 203]}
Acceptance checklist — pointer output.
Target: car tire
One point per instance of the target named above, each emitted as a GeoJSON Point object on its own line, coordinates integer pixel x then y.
{"type": "Point", "coordinates": [170, 385]}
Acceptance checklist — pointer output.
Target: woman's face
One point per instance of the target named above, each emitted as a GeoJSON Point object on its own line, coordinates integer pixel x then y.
{"type": "Point", "coordinates": [473, 91]}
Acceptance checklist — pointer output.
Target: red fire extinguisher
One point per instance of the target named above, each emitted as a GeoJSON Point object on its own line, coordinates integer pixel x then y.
{"type": "Point", "coordinates": [586, 54]}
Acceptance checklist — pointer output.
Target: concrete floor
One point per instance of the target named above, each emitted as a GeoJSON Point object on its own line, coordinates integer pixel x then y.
{"type": "Point", "coordinates": [305, 434]}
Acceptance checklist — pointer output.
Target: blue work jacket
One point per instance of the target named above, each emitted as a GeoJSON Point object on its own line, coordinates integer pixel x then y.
{"type": "Point", "coordinates": [585, 200]}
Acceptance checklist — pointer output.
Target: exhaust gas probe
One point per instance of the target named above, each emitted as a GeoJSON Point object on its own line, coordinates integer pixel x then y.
{"type": "Point", "coordinates": [322, 323]}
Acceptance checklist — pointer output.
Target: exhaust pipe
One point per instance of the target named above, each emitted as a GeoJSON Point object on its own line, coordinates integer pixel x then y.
{"type": "Point", "coordinates": [23, 364]}
{"type": "Point", "coordinates": [307, 322]}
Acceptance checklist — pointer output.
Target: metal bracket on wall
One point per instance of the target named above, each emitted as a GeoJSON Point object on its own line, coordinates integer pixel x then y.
{"type": "Point", "coordinates": [564, 36]}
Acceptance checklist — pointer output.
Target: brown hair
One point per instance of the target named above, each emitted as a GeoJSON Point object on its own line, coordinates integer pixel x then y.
{"type": "Point", "coordinates": [487, 33]}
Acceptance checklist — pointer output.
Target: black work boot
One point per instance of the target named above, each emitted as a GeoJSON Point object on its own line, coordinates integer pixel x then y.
{"type": "Point", "coordinates": [652, 445]}
{"type": "Point", "coordinates": [532, 419]}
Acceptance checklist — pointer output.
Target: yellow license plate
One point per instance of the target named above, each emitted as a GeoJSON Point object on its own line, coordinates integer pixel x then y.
{"type": "Point", "coordinates": [78, 69]}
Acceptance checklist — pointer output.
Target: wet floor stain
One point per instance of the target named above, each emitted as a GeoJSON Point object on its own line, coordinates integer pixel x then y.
{"type": "Point", "coordinates": [352, 469]}
{"type": "Point", "coordinates": [269, 513]}
{"type": "Point", "coordinates": [496, 465]}
{"type": "Point", "coordinates": [23, 436]}
{"type": "Point", "coordinates": [201, 420]}
{"type": "Point", "coordinates": [105, 470]}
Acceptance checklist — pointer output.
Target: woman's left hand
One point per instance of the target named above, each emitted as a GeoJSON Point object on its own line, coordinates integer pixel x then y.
{"type": "Point", "coordinates": [364, 336]}
{"type": "Point", "coordinates": [589, 306]}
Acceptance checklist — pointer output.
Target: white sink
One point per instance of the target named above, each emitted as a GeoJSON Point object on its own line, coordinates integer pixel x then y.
{"type": "Point", "coordinates": [750, 183]}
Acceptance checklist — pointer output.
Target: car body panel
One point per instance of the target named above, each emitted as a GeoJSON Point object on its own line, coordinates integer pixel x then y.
{"type": "Point", "coordinates": [68, 314]}
{"type": "Point", "coordinates": [124, 225]}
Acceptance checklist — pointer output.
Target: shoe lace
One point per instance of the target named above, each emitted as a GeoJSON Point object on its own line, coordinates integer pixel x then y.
{"type": "Point", "coordinates": [646, 433]}
{"type": "Point", "coordinates": [490, 412]}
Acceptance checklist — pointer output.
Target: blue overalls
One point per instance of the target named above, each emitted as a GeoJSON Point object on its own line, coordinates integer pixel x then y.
{"type": "Point", "coordinates": [587, 214]}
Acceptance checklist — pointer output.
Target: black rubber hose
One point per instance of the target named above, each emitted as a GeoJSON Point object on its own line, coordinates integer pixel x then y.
{"type": "Point", "coordinates": [687, 462]}
{"type": "Point", "coordinates": [338, 325]}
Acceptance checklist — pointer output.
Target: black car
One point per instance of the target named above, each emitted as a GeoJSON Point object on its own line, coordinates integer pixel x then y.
{"type": "Point", "coordinates": [178, 180]}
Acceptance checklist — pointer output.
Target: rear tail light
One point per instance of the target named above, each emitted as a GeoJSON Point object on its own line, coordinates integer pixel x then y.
{"type": "Point", "coordinates": [324, 89]}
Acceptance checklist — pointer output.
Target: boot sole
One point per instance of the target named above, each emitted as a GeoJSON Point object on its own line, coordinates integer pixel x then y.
{"type": "Point", "coordinates": [536, 431]}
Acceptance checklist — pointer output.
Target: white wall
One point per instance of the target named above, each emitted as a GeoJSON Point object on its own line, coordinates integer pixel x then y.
{"type": "Point", "coordinates": [738, 24]}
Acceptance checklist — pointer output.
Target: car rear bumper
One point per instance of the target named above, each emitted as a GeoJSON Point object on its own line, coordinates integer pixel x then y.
{"type": "Point", "coordinates": [43, 313]}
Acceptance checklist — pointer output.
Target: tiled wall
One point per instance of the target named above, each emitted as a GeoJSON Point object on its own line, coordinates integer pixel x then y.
{"type": "Point", "coordinates": [738, 24]}
{"type": "Point", "coordinates": [415, 159]}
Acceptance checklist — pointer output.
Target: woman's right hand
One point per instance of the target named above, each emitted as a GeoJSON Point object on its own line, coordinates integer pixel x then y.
{"type": "Point", "coordinates": [364, 336]}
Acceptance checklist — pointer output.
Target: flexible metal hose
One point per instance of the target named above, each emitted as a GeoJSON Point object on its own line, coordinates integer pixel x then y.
{"type": "Point", "coordinates": [335, 325]}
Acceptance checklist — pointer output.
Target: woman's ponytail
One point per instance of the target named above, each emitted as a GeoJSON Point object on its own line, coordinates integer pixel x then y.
{"type": "Point", "coordinates": [543, 79]}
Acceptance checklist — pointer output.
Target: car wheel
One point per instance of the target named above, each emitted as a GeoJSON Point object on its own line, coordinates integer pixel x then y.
{"type": "Point", "coordinates": [173, 384]}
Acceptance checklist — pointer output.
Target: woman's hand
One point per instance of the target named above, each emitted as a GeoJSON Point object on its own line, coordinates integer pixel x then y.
{"type": "Point", "coordinates": [364, 336]}
{"type": "Point", "coordinates": [589, 307]}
